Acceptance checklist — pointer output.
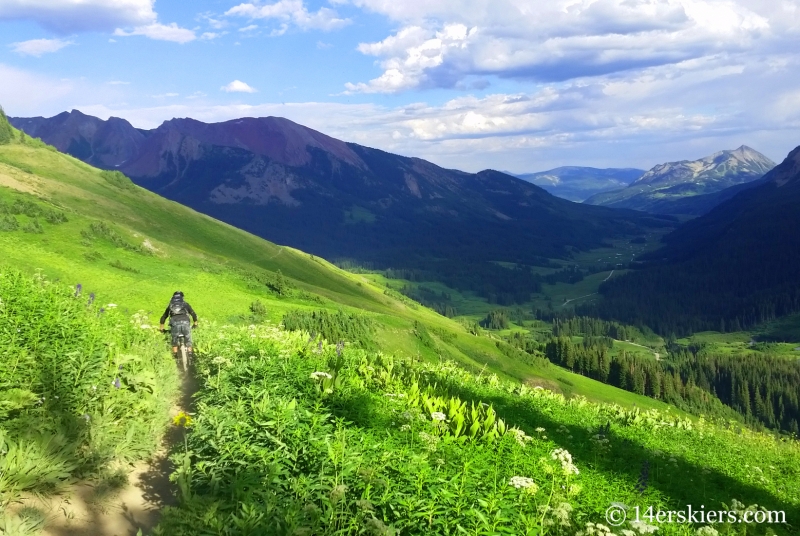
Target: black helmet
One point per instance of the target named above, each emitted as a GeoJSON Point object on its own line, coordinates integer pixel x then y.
{"type": "Point", "coordinates": [178, 294]}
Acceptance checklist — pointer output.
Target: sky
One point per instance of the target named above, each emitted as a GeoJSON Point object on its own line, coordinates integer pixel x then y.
{"type": "Point", "coordinates": [515, 85]}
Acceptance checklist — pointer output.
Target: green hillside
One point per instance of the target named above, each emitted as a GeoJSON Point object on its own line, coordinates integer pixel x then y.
{"type": "Point", "coordinates": [413, 426]}
{"type": "Point", "coordinates": [162, 246]}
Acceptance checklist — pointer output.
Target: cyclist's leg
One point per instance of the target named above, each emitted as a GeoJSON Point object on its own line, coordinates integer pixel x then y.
{"type": "Point", "coordinates": [188, 341]}
{"type": "Point", "coordinates": [175, 332]}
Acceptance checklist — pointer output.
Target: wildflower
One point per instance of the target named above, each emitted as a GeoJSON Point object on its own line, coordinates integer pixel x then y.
{"type": "Point", "coordinates": [429, 440]}
{"type": "Point", "coordinates": [78, 289]}
{"type": "Point", "coordinates": [522, 482]}
{"type": "Point", "coordinates": [86, 417]}
{"type": "Point", "coordinates": [111, 305]}
{"type": "Point", "coordinates": [707, 531]}
{"type": "Point", "coordinates": [338, 493]}
{"type": "Point", "coordinates": [253, 358]}
{"type": "Point", "coordinates": [538, 430]}
{"type": "Point", "coordinates": [116, 383]}
{"type": "Point", "coordinates": [405, 428]}
{"type": "Point", "coordinates": [94, 388]}
{"type": "Point", "coordinates": [365, 505]}
{"type": "Point", "coordinates": [438, 416]}
{"type": "Point", "coordinates": [91, 299]}
{"type": "Point", "coordinates": [145, 326]}
{"type": "Point", "coordinates": [182, 419]}
{"type": "Point", "coordinates": [407, 416]}
{"type": "Point", "coordinates": [521, 437]}
{"type": "Point", "coordinates": [643, 528]}
{"type": "Point", "coordinates": [320, 375]}
{"type": "Point", "coordinates": [219, 361]}
{"type": "Point", "coordinates": [565, 458]}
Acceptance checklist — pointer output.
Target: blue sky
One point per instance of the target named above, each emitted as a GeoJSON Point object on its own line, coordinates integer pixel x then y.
{"type": "Point", "coordinates": [520, 85]}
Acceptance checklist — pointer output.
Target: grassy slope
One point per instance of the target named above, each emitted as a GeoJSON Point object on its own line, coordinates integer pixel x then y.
{"type": "Point", "coordinates": [200, 256]}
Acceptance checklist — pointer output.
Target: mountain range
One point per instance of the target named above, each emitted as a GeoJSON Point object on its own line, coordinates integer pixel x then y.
{"type": "Point", "coordinates": [296, 186]}
{"type": "Point", "coordinates": [667, 188]}
{"type": "Point", "coordinates": [730, 269]}
{"type": "Point", "coordinates": [579, 183]}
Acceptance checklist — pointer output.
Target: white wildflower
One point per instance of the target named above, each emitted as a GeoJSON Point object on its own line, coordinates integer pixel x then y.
{"type": "Point", "coordinates": [320, 375]}
{"type": "Point", "coordinates": [523, 482]}
{"type": "Point", "coordinates": [707, 531]}
{"type": "Point", "coordinates": [430, 441]}
{"type": "Point", "coordinates": [643, 528]}
{"type": "Point", "coordinates": [438, 416]}
{"type": "Point", "coordinates": [538, 430]}
{"type": "Point", "coordinates": [521, 437]}
{"type": "Point", "coordinates": [111, 305]}
{"type": "Point", "coordinates": [565, 458]}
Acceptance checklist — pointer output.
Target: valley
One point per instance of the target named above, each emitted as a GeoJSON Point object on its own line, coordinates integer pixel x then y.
{"type": "Point", "coordinates": [319, 358]}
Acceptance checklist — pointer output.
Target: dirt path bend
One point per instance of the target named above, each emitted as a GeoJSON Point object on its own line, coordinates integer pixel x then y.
{"type": "Point", "coordinates": [97, 509]}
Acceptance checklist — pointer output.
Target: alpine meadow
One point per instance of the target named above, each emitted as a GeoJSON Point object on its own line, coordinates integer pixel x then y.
{"type": "Point", "coordinates": [366, 268]}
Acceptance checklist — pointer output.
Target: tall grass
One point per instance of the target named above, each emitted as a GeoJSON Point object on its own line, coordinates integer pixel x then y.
{"type": "Point", "coordinates": [81, 385]}
{"type": "Point", "coordinates": [296, 438]}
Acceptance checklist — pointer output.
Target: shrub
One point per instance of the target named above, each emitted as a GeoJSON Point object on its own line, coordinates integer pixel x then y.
{"type": "Point", "coordinates": [118, 179]}
{"type": "Point", "coordinates": [334, 327]}
{"type": "Point", "coordinates": [79, 386]}
{"type": "Point", "coordinates": [6, 131]}
{"type": "Point", "coordinates": [9, 223]}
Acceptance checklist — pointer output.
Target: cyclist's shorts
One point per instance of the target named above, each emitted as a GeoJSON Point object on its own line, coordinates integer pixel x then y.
{"type": "Point", "coordinates": [181, 327]}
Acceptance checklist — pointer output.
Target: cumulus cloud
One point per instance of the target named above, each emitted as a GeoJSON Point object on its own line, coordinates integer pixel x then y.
{"type": "Point", "coordinates": [293, 11]}
{"type": "Point", "coordinates": [237, 86]}
{"type": "Point", "coordinates": [441, 43]}
{"type": "Point", "coordinates": [67, 16]}
{"type": "Point", "coordinates": [37, 47]}
{"type": "Point", "coordinates": [160, 32]}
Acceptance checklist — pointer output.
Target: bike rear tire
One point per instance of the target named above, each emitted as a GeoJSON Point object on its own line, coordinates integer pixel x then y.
{"type": "Point", "coordinates": [184, 358]}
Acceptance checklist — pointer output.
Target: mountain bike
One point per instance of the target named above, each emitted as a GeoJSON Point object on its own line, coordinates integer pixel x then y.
{"type": "Point", "coordinates": [183, 352]}
{"type": "Point", "coordinates": [186, 359]}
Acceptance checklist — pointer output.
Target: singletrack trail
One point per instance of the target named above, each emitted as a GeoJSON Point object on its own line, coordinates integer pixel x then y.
{"type": "Point", "coordinates": [91, 509]}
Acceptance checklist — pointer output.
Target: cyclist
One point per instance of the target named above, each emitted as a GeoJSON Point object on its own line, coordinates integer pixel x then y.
{"type": "Point", "coordinates": [178, 312]}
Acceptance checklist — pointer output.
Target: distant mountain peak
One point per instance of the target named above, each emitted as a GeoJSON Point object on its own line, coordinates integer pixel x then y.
{"type": "Point", "coordinates": [665, 188]}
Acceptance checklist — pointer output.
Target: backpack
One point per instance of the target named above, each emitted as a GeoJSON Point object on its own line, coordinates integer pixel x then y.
{"type": "Point", "coordinates": [177, 307]}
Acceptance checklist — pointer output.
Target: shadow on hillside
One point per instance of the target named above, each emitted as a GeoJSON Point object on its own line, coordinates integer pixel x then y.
{"type": "Point", "coordinates": [681, 484]}
{"type": "Point", "coordinates": [626, 457]}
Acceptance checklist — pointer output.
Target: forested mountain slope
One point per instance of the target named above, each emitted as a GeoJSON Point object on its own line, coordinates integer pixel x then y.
{"type": "Point", "coordinates": [735, 267]}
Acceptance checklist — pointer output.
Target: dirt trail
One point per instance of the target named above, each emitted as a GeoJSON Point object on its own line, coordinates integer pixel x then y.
{"type": "Point", "coordinates": [85, 509]}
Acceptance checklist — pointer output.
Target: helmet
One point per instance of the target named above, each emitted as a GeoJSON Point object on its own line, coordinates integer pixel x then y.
{"type": "Point", "coordinates": [178, 294]}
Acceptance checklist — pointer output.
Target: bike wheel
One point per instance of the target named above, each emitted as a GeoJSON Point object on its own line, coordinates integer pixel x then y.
{"type": "Point", "coordinates": [184, 358]}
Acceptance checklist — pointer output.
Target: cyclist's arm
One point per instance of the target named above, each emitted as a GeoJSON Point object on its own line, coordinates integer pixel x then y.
{"type": "Point", "coordinates": [191, 312]}
{"type": "Point", "coordinates": [164, 318]}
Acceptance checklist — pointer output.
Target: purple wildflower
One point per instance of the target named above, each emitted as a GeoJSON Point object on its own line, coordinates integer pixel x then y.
{"type": "Point", "coordinates": [102, 310]}
{"type": "Point", "coordinates": [91, 298]}
{"type": "Point", "coordinates": [319, 347]}
{"type": "Point", "coordinates": [339, 348]}
{"type": "Point", "coordinates": [116, 383]}
{"type": "Point", "coordinates": [120, 367]}
{"type": "Point", "coordinates": [78, 288]}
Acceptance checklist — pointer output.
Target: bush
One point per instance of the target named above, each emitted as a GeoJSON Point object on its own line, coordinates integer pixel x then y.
{"type": "Point", "coordinates": [333, 327]}
{"type": "Point", "coordinates": [6, 130]}
{"type": "Point", "coordinates": [497, 319]}
{"type": "Point", "coordinates": [118, 179]}
{"type": "Point", "coordinates": [9, 223]}
{"type": "Point", "coordinates": [79, 386]}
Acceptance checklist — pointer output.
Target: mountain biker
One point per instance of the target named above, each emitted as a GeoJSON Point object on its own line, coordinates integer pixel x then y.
{"type": "Point", "coordinates": [178, 312]}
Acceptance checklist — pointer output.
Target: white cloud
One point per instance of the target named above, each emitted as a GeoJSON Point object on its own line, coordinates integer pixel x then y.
{"type": "Point", "coordinates": [249, 28]}
{"type": "Point", "coordinates": [160, 32]}
{"type": "Point", "coordinates": [210, 36]}
{"type": "Point", "coordinates": [441, 43]}
{"type": "Point", "coordinates": [237, 86]}
{"type": "Point", "coordinates": [67, 16]}
{"type": "Point", "coordinates": [37, 47]}
{"type": "Point", "coordinates": [118, 83]}
{"type": "Point", "coordinates": [292, 10]}
{"type": "Point", "coordinates": [166, 95]}
{"type": "Point", "coordinates": [322, 45]}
